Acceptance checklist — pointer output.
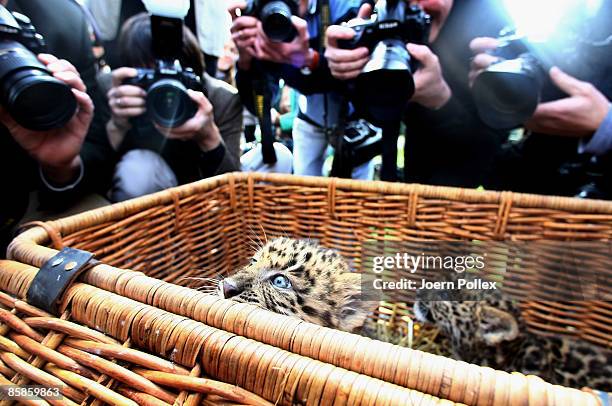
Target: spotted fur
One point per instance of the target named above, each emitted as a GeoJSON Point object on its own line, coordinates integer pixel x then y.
{"type": "Point", "coordinates": [322, 290]}
{"type": "Point", "coordinates": [492, 332]}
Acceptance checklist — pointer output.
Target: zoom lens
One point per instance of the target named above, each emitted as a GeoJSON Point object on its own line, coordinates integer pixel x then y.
{"type": "Point", "coordinates": [386, 83]}
{"type": "Point", "coordinates": [276, 22]}
{"type": "Point", "coordinates": [507, 94]}
{"type": "Point", "coordinates": [35, 99]}
{"type": "Point", "coordinates": [169, 104]}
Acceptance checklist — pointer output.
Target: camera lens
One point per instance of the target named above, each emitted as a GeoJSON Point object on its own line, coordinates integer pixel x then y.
{"type": "Point", "coordinates": [386, 83]}
{"type": "Point", "coordinates": [276, 22]}
{"type": "Point", "coordinates": [507, 94]}
{"type": "Point", "coordinates": [169, 104]}
{"type": "Point", "coordinates": [35, 99]}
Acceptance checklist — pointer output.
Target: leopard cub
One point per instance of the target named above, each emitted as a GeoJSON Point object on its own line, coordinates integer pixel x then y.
{"type": "Point", "coordinates": [301, 279]}
{"type": "Point", "coordinates": [490, 331]}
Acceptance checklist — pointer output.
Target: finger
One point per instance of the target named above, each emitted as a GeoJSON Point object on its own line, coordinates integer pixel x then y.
{"type": "Point", "coordinates": [71, 79]}
{"type": "Point", "coordinates": [338, 32]}
{"type": "Point", "coordinates": [126, 91]}
{"type": "Point", "coordinates": [302, 28]}
{"type": "Point", "coordinates": [244, 23]}
{"type": "Point", "coordinates": [347, 55]}
{"type": "Point", "coordinates": [86, 107]}
{"type": "Point", "coordinates": [423, 54]}
{"type": "Point", "coordinates": [47, 58]}
{"type": "Point", "coordinates": [347, 67]}
{"type": "Point", "coordinates": [129, 112]}
{"type": "Point", "coordinates": [483, 61]}
{"type": "Point", "coordinates": [120, 74]}
{"type": "Point", "coordinates": [201, 100]}
{"type": "Point", "coordinates": [365, 11]}
{"type": "Point", "coordinates": [567, 83]}
{"type": "Point", "coordinates": [61, 65]}
{"type": "Point", "coordinates": [483, 44]}
{"type": "Point", "coordinates": [127, 102]}
{"type": "Point", "coordinates": [234, 5]}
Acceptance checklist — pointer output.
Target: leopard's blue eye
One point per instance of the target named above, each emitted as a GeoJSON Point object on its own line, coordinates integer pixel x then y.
{"type": "Point", "coordinates": [281, 282]}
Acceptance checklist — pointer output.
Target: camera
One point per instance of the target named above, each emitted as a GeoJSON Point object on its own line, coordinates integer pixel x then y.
{"type": "Point", "coordinates": [28, 91]}
{"type": "Point", "coordinates": [168, 103]}
{"type": "Point", "coordinates": [356, 143]}
{"type": "Point", "coordinates": [508, 92]}
{"type": "Point", "coordinates": [275, 17]}
{"type": "Point", "coordinates": [386, 83]}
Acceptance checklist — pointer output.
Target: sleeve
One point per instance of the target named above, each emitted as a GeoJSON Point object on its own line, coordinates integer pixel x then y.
{"type": "Point", "coordinates": [228, 118]}
{"type": "Point", "coordinates": [96, 153]}
{"type": "Point", "coordinates": [601, 142]}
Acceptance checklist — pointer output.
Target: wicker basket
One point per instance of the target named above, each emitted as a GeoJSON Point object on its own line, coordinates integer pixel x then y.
{"type": "Point", "coordinates": [145, 245]}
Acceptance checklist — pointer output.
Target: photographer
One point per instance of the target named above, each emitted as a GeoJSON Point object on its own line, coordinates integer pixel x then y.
{"type": "Point", "coordinates": [302, 64]}
{"type": "Point", "coordinates": [51, 170]}
{"type": "Point", "coordinates": [154, 158]}
{"type": "Point", "coordinates": [446, 144]}
{"type": "Point", "coordinates": [567, 149]}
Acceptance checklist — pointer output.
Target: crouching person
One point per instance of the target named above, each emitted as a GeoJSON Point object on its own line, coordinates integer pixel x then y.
{"type": "Point", "coordinates": [157, 151]}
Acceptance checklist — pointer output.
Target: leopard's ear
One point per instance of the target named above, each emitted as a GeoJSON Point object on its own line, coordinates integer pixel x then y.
{"type": "Point", "coordinates": [353, 307]}
{"type": "Point", "coordinates": [496, 325]}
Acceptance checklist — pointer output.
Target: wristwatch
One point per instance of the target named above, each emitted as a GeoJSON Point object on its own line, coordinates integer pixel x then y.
{"type": "Point", "coordinates": [314, 63]}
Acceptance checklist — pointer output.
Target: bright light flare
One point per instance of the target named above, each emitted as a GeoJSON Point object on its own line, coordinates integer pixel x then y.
{"type": "Point", "coordinates": [540, 19]}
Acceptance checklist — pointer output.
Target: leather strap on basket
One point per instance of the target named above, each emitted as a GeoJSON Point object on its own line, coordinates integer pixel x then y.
{"type": "Point", "coordinates": [55, 276]}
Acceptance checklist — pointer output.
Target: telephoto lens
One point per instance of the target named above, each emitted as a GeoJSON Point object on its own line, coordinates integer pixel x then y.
{"type": "Point", "coordinates": [32, 96]}
{"type": "Point", "coordinates": [508, 92]}
{"type": "Point", "coordinates": [169, 104]}
{"type": "Point", "coordinates": [276, 21]}
{"type": "Point", "coordinates": [275, 17]}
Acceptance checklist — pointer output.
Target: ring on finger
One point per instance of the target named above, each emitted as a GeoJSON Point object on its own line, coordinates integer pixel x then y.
{"type": "Point", "coordinates": [118, 102]}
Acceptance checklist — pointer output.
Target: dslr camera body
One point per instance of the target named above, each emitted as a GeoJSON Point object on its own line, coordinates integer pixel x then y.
{"type": "Point", "coordinates": [28, 91]}
{"type": "Point", "coordinates": [386, 83]}
{"type": "Point", "coordinates": [275, 17]}
{"type": "Point", "coordinates": [168, 103]}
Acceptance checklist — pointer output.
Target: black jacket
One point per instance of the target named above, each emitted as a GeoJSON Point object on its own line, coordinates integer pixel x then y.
{"type": "Point", "coordinates": [66, 31]}
{"type": "Point", "coordinates": [451, 146]}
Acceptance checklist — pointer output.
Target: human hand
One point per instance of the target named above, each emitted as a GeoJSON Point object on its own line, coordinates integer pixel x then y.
{"type": "Point", "coordinates": [578, 115]}
{"type": "Point", "coordinates": [125, 101]}
{"type": "Point", "coordinates": [296, 53]}
{"type": "Point", "coordinates": [431, 90]}
{"type": "Point", "coordinates": [201, 128]}
{"type": "Point", "coordinates": [481, 60]}
{"type": "Point", "coordinates": [346, 64]}
{"type": "Point", "coordinates": [57, 150]}
{"type": "Point", "coordinates": [244, 32]}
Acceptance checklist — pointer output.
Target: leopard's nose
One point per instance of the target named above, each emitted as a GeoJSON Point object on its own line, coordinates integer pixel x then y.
{"type": "Point", "coordinates": [230, 289]}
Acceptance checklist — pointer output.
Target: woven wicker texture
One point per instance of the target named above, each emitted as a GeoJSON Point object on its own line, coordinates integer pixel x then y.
{"type": "Point", "coordinates": [206, 229]}
{"type": "Point", "coordinates": [74, 354]}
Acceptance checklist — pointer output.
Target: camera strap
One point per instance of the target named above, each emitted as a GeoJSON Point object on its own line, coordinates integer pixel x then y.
{"type": "Point", "coordinates": [262, 95]}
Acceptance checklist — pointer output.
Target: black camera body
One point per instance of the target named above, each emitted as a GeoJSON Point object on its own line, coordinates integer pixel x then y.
{"type": "Point", "coordinates": [168, 103]}
{"type": "Point", "coordinates": [275, 17]}
{"type": "Point", "coordinates": [33, 97]}
{"type": "Point", "coordinates": [386, 83]}
{"type": "Point", "coordinates": [412, 25]}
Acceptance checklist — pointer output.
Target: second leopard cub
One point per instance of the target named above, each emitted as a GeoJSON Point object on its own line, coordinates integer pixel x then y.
{"type": "Point", "coordinates": [301, 279]}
